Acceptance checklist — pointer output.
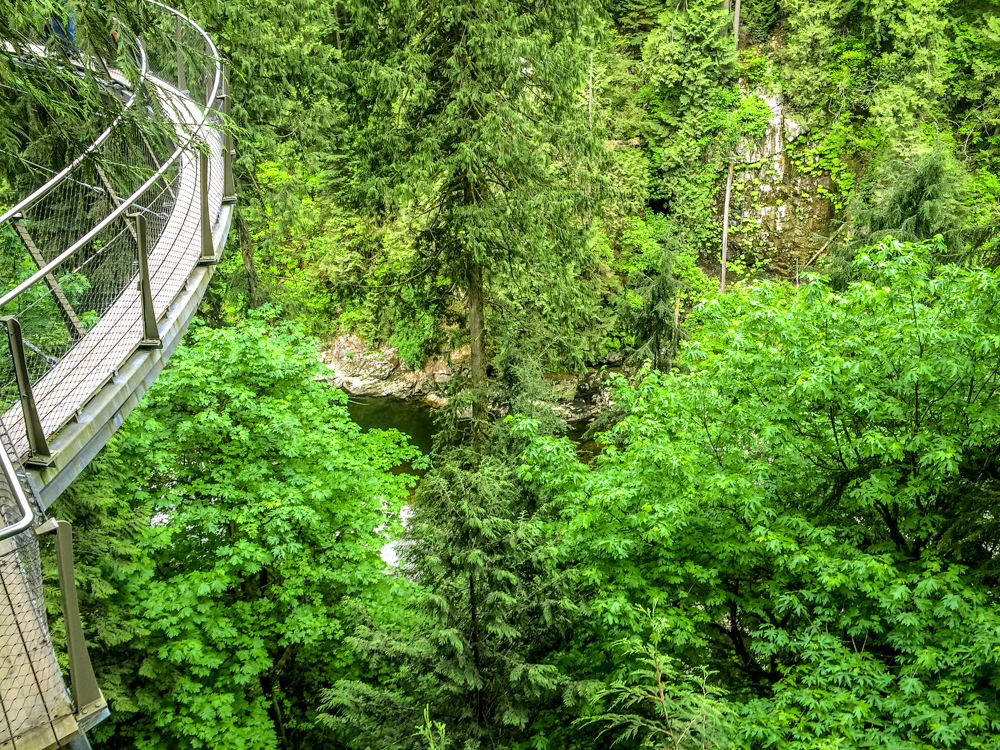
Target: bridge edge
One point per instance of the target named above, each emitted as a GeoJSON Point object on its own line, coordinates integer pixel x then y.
{"type": "Point", "coordinates": [82, 439]}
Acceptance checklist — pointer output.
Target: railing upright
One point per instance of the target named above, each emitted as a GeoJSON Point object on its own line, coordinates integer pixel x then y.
{"type": "Point", "coordinates": [228, 148]}
{"type": "Point", "coordinates": [207, 245]}
{"type": "Point", "coordinates": [40, 453]}
{"type": "Point", "coordinates": [181, 73]}
{"type": "Point", "coordinates": [150, 331]}
{"type": "Point", "coordinates": [87, 696]}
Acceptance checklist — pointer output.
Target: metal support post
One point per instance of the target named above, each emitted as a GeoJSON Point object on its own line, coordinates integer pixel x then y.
{"type": "Point", "coordinates": [150, 331]}
{"type": "Point", "coordinates": [209, 104]}
{"type": "Point", "coordinates": [40, 453]}
{"type": "Point", "coordinates": [229, 191]}
{"type": "Point", "coordinates": [66, 310]}
{"type": "Point", "coordinates": [207, 245]}
{"type": "Point", "coordinates": [181, 75]}
{"type": "Point", "coordinates": [90, 704]}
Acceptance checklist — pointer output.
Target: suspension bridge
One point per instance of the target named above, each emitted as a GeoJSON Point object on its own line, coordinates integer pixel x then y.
{"type": "Point", "coordinates": [105, 263]}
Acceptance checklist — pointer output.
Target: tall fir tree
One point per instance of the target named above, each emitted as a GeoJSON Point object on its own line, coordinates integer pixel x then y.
{"type": "Point", "coordinates": [478, 632]}
{"type": "Point", "coordinates": [470, 118]}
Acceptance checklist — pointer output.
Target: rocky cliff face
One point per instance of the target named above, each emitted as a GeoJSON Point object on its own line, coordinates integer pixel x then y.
{"type": "Point", "coordinates": [363, 371]}
{"type": "Point", "coordinates": [779, 216]}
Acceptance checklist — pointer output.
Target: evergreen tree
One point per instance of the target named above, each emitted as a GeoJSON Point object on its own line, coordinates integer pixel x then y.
{"type": "Point", "coordinates": [283, 103]}
{"type": "Point", "coordinates": [466, 116]}
{"type": "Point", "coordinates": [52, 101]}
{"type": "Point", "coordinates": [477, 633]}
{"type": "Point", "coordinates": [915, 199]}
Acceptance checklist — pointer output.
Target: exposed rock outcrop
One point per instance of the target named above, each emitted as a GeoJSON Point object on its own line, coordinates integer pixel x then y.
{"type": "Point", "coordinates": [779, 215]}
{"type": "Point", "coordinates": [781, 130]}
{"type": "Point", "coordinates": [363, 371]}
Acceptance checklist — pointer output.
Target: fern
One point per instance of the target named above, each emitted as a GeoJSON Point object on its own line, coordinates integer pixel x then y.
{"type": "Point", "coordinates": [759, 18]}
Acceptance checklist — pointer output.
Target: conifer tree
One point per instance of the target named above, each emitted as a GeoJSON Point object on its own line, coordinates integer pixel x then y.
{"type": "Point", "coordinates": [52, 87]}
{"type": "Point", "coordinates": [482, 616]}
{"type": "Point", "coordinates": [469, 117]}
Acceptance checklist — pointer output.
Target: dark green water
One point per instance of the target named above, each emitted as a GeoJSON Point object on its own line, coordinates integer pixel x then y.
{"type": "Point", "coordinates": [416, 420]}
{"type": "Point", "coordinates": [412, 418]}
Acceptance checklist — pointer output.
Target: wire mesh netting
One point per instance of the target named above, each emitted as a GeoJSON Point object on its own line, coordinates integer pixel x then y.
{"type": "Point", "coordinates": [33, 694]}
{"type": "Point", "coordinates": [71, 256]}
{"type": "Point", "coordinates": [122, 76]}
{"type": "Point", "coordinates": [69, 265]}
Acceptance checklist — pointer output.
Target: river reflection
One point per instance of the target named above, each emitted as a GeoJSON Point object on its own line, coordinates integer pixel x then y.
{"type": "Point", "coordinates": [415, 419]}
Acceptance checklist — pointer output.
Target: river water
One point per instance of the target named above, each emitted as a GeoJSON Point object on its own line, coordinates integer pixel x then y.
{"type": "Point", "coordinates": [415, 419]}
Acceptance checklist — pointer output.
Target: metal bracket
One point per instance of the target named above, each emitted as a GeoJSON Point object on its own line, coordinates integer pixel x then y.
{"type": "Point", "coordinates": [41, 456]}
{"type": "Point", "coordinates": [86, 694]}
{"type": "Point", "coordinates": [150, 330]}
{"type": "Point", "coordinates": [208, 257]}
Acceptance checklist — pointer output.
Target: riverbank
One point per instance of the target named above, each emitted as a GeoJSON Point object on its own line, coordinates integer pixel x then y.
{"type": "Point", "coordinates": [363, 371]}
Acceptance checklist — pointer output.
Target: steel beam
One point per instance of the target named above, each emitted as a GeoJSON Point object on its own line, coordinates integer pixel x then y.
{"type": "Point", "coordinates": [41, 456]}
{"type": "Point", "coordinates": [149, 150]}
{"type": "Point", "coordinates": [209, 78]}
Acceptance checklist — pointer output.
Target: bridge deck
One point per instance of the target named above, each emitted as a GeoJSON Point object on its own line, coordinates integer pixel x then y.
{"type": "Point", "coordinates": [38, 713]}
{"type": "Point", "coordinates": [96, 358]}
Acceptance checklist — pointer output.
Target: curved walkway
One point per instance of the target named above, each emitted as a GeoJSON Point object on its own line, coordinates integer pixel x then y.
{"type": "Point", "coordinates": [124, 240]}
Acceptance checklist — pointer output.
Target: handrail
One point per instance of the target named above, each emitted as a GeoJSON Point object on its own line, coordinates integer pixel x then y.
{"type": "Point", "coordinates": [126, 203]}
{"type": "Point", "coordinates": [6, 464]}
{"type": "Point", "coordinates": [58, 178]}
{"type": "Point", "coordinates": [27, 514]}
{"type": "Point", "coordinates": [194, 127]}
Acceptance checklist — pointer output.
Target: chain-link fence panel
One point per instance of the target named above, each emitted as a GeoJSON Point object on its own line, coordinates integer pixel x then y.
{"type": "Point", "coordinates": [35, 703]}
{"type": "Point", "coordinates": [80, 313]}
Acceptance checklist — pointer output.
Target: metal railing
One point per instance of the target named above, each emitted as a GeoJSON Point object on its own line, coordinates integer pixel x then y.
{"type": "Point", "coordinates": [80, 170]}
{"type": "Point", "coordinates": [90, 262]}
{"type": "Point", "coordinates": [96, 244]}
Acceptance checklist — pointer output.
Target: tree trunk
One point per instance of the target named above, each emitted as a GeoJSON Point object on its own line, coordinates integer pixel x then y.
{"type": "Point", "coordinates": [477, 331]}
{"type": "Point", "coordinates": [729, 180]}
{"type": "Point", "coordinates": [269, 688]}
{"type": "Point", "coordinates": [725, 229]}
{"type": "Point", "coordinates": [675, 336]}
{"type": "Point", "coordinates": [336, 28]}
{"type": "Point", "coordinates": [246, 250]}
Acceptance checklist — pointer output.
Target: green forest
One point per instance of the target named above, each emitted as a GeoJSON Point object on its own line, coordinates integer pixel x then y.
{"type": "Point", "coordinates": [765, 233]}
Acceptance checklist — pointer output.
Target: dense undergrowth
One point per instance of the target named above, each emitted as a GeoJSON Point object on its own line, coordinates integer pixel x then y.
{"type": "Point", "coordinates": [897, 106]}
